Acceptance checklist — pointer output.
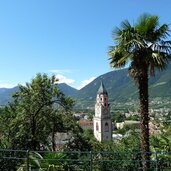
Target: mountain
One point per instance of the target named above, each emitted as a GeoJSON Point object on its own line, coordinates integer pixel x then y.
{"type": "Point", "coordinates": [6, 93]}
{"type": "Point", "coordinates": [122, 88]}
{"type": "Point", "coordinates": [67, 90]}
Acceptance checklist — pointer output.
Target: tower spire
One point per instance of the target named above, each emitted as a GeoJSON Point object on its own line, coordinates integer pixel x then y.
{"type": "Point", "coordinates": [102, 89]}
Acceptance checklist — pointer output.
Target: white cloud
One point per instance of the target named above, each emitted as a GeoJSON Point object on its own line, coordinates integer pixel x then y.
{"type": "Point", "coordinates": [85, 82]}
{"type": "Point", "coordinates": [60, 71]}
{"type": "Point", "coordinates": [6, 85]}
{"type": "Point", "coordinates": [63, 79]}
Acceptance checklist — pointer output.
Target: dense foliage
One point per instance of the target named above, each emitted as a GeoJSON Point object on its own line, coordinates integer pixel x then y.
{"type": "Point", "coordinates": [36, 112]}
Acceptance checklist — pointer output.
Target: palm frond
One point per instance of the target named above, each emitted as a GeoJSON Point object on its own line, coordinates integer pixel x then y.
{"type": "Point", "coordinates": [116, 33]}
{"type": "Point", "coordinates": [147, 25]}
{"type": "Point", "coordinates": [117, 57]}
{"type": "Point", "coordinates": [162, 47]}
{"type": "Point", "coordinates": [159, 60]}
{"type": "Point", "coordinates": [160, 33]}
{"type": "Point", "coordinates": [152, 24]}
{"type": "Point", "coordinates": [125, 25]}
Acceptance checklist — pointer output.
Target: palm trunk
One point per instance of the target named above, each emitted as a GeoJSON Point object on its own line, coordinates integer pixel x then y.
{"type": "Point", "coordinates": [143, 96]}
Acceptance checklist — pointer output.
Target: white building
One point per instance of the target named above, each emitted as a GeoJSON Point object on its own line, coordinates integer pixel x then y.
{"type": "Point", "coordinates": [102, 120]}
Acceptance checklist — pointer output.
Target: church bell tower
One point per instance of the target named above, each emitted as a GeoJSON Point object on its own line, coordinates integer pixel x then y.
{"type": "Point", "coordinates": [102, 119]}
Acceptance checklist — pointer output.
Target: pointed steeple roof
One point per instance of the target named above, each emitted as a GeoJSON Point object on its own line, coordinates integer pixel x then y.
{"type": "Point", "coordinates": [102, 89]}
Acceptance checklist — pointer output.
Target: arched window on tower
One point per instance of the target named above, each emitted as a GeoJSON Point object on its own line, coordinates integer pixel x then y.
{"type": "Point", "coordinates": [106, 127]}
{"type": "Point", "coordinates": [97, 126]}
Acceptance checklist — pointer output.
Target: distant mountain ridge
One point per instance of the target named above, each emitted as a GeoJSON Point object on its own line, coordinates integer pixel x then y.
{"type": "Point", "coordinates": [6, 93]}
{"type": "Point", "coordinates": [119, 85]}
{"type": "Point", "coordinates": [67, 90]}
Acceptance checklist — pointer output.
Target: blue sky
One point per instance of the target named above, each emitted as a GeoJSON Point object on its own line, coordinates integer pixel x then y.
{"type": "Point", "coordinates": [69, 38]}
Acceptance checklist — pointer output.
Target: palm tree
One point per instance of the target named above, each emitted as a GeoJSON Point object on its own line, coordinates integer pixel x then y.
{"type": "Point", "coordinates": [145, 47]}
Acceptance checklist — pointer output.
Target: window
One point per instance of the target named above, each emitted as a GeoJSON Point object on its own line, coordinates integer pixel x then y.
{"type": "Point", "coordinates": [97, 126]}
{"type": "Point", "coordinates": [106, 127]}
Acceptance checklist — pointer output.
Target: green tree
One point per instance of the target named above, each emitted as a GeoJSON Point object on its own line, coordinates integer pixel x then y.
{"type": "Point", "coordinates": [144, 46]}
{"type": "Point", "coordinates": [161, 146]}
{"type": "Point", "coordinates": [118, 117]}
{"type": "Point", "coordinates": [7, 114]}
{"type": "Point", "coordinates": [35, 113]}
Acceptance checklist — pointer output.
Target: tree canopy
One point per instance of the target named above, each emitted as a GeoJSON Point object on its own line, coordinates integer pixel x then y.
{"type": "Point", "coordinates": [35, 113]}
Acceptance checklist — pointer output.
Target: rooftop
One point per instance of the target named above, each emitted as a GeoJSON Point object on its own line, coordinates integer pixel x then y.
{"type": "Point", "coordinates": [102, 89]}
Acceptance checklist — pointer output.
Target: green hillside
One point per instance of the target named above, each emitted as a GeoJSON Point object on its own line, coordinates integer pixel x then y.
{"type": "Point", "coordinates": [122, 88]}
